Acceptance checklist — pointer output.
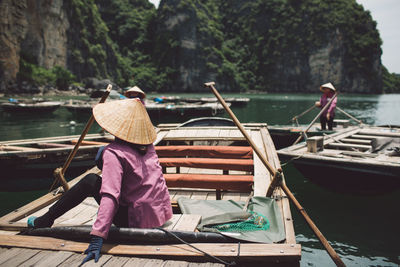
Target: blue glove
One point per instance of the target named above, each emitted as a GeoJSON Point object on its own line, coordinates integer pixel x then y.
{"type": "Point", "coordinates": [94, 249]}
{"type": "Point", "coordinates": [99, 157]}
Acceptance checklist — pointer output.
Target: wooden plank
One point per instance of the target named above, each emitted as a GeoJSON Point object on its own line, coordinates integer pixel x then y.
{"type": "Point", "coordinates": [37, 258]}
{"type": "Point", "coordinates": [140, 262]}
{"type": "Point", "coordinates": [380, 132]}
{"type": "Point", "coordinates": [261, 173]}
{"type": "Point", "coordinates": [103, 259]}
{"type": "Point", "coordinates": [348, 146]}
{"type": "Point", "coordinates": [362, 136]}
{"type": "Point", "coordinates": [54, 259]}
{"type": "Point", "coordinates": [9, 254]}
{"type": "Point", "coordinates": [24, 255]}
{"type": "Point", "coordinates": [356, 141]}
{"type": "Point", "coordinates": [175, 264]}
{"type": "Point", "coordinates": [75, 260]}
{"type": "Point", "coordinates": [248, 251]}
{"type": "Point", "coordinates": [284, 202]}
{"type": "Point", "coordinates": [187, 222]}
{"type": "Point", "coordinates": [170, 224]}
{"type": "Point", "coordinates": [116, 261]}
{"type": "Point", "coordinates": [18, 148]}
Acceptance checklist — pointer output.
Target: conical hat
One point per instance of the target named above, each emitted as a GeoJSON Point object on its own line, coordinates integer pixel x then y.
{"type": "Point", "coordinates": [328, 85]}
{"type": "Point", "coordinates": [126, 119]}
{"type": "Point", "coordinates": [137, 90]}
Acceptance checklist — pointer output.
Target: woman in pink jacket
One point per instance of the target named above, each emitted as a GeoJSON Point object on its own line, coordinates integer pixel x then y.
{"type": "Point", "coordinates": [329, 114]}
{"type": "Point", "coordinates": [131, 191]}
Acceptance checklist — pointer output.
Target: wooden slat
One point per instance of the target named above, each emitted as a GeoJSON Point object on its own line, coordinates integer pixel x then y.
{"type": "Point", "coordinates": [54, 259]}
{"type": "Point", "coordinates": [209, 163]}
{"type": "Point", "coordinates": [187, 222]}
{"type": "Point", "coordinates": [261, 173]}
{"type": "Point", "coordinates": [356, 141]}
{"type": "Point", "coordinates": [348, 146]}
{"type": "Point", "coordinates": [362, 136]}
{"type": "Point", "coordinates": [17, 148]}
{"type": "Point", "coordinates": [248, 251]}
{"type": "Point", "coordinates": [379, 132]}
{"type": "Point", "coordinates": [9, 254]}
{"type": "Point", "coordinates": [170, 224]}
{"type": "Point", "coordinates": [37, 258]}
{"type": "Point", "coordinates": [284, 202]}
{"type": "Point", "coordinates": [242, 183]}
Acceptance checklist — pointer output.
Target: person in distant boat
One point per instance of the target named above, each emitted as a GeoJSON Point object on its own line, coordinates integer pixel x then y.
{"type": "Point", "coordinates": [132, 191]}
{"type": "Point", "coordinates": [135, 92]}
{"type": "Point", "coordinates": [328, 115]}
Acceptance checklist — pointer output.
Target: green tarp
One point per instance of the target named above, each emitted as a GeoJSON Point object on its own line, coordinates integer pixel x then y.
{"type": "Point", "coordinates": [215, 212]}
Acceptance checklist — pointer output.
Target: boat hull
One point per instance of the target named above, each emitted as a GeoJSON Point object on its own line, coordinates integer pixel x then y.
{"type": "Point", "coordinates": [348, 176]}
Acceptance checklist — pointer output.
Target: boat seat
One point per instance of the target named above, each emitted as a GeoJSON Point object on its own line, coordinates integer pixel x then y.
{"type": "Point", "coordinates": [235, 152]}
{"type": "Point", "coordinates": [209, 163]}
{"type": "Point", "coordinates": [242, 183]}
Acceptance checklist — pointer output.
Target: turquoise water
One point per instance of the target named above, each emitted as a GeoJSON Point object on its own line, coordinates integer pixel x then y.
{"type": "Point", "coordinates": [363, 230]}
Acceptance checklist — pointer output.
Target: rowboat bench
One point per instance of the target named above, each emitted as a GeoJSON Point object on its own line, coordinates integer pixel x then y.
{"type": "Point", "coordinates": [220, 158]}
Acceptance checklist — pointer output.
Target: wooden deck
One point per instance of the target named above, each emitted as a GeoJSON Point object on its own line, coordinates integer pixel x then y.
{"type": "Point", "coordinates": [47, 251]}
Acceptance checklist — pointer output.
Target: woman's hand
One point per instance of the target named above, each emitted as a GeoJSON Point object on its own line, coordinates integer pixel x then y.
{"type": "Point", "coordinates": [94, 249]}
{"type": "Point", "coordinates": [317, 104]}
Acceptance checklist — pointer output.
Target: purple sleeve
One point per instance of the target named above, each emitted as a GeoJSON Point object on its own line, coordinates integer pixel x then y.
{"type": "Point", "coordinates": [332, 106]}
{"type": "Point", "coordinates": [109, 192]}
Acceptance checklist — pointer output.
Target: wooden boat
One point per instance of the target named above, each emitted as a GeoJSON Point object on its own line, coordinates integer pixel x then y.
{"type": "Point", "coordinates": [286, 135]}
{"type": "Point", "coordinates": [29, 163]}
{"type": "Point", "coordinates": [79, 106]}
{"type": "Point", "coordinates": [347, 161]}
{"type": "Point", "coordinates": [34, 107]}
{"type": "Point", "coordinates": [199, 164]}
{"type": "Point", "coordinates": [158, 110]}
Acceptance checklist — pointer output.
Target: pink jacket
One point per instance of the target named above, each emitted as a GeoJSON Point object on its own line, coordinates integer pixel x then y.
{"type": "Point", "coordinates": [133, 180]}
{"type": "Point", "coordinates": [325, 98]}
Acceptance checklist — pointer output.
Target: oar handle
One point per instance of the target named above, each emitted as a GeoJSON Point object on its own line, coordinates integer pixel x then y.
{"type": "Point", "coordinates": [84, 132]}
{"type": "Point", "coordinates": [239, 125]}
{"type": "Point", "coordinates": [332, 253]}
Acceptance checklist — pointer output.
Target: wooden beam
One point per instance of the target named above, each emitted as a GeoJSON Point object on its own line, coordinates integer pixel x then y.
{"type": "Point", "coordinates": [348, 146]}
{"type": "Point", "coordinates": [226, 251]}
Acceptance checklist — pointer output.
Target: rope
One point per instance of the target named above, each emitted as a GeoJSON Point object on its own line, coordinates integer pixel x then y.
{"type": "Point", "coordinates": [292, 159]}
{"type": "Point", "coordinates": [205, 253]}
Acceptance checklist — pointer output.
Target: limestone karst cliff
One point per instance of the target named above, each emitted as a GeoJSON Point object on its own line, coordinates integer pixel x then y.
{"type": "Point", "coordinates": [271, 46]}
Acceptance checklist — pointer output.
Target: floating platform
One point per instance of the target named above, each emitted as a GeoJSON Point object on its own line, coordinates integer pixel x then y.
{"type": "Point", "coordinates": [181, 152]}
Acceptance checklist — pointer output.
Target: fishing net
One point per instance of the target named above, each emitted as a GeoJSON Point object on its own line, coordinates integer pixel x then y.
{"type": "Point", "coordinates": [256, 222]}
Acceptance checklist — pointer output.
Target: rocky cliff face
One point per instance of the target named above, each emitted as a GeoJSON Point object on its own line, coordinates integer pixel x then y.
{"type": "Point", "coordinates": [35, 29]}
{"type": "Point", "coordinates": [13, 27]}
{"type": "Point", "coordinates": [274, 46]}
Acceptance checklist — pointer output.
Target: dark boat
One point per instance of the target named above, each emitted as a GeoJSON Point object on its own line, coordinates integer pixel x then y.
{"type": "Point", "coordinates": [46, 106]}
{"type": "Point", "coordinates": [364, 160]}
{"type": "Point", "coordinates": [29, 163]}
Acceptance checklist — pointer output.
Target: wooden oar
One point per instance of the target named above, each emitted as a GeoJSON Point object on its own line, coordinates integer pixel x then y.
{"type": "Point", "coordinates": [319, 114]}
{"type": "Point", "coordinates": [59, 172]}
{"type": "Point", "coordinates": [348, 115]}
{"type": "Point", "coordinates": [277, 180]}
{"type": "Point", "coordinates": [303, 113]}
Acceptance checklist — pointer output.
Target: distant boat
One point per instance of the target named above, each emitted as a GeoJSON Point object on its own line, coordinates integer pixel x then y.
{"type": "Point", "coordinates": [79, 106]}
{"type": "Point", "coordinates": [355, 160]}
{"type": "Point", "coordinates": [45, 106]}
{"type": "Point", "coordinates": [286, 135]}
{"type": "Point", "coordinates": [29, 163]}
